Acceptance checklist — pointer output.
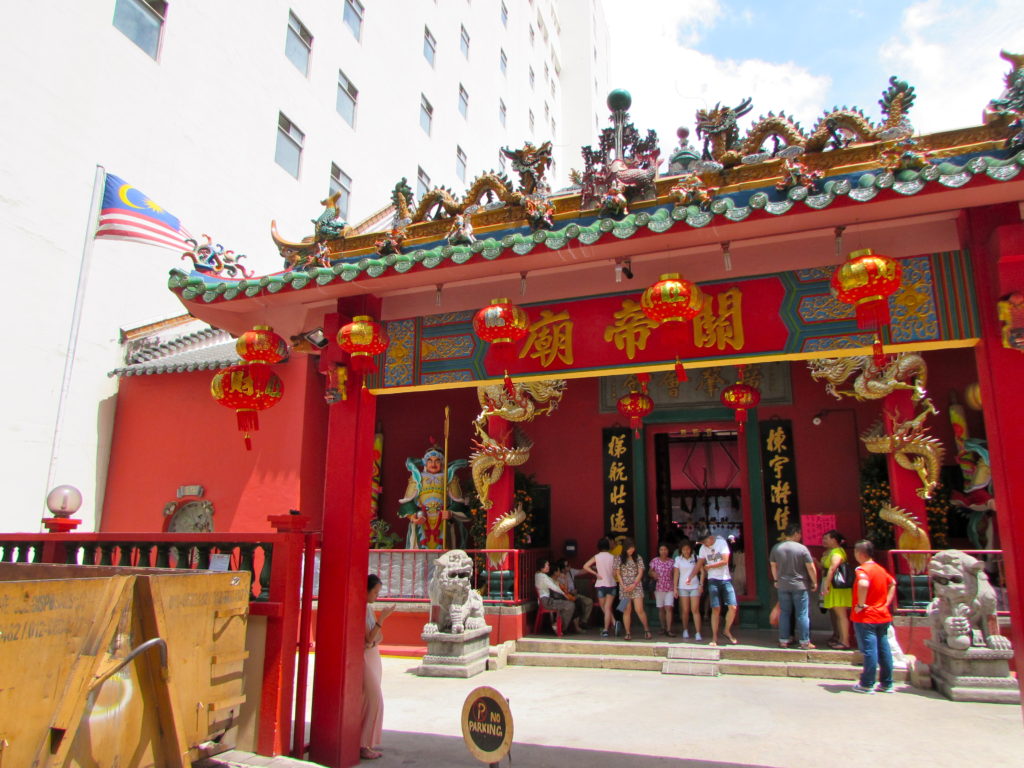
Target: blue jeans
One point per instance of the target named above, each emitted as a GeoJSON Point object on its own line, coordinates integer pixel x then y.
{"type": "Point", "coordinates": [873, 640]}
{"type": "Point", "coordinates": [720, 592]}
{"type": "Point", "coordinates": [790, 602]}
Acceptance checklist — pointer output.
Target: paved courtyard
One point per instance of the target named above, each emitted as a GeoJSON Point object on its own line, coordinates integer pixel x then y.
{"type": "Point", "coordinates": [586, 718]}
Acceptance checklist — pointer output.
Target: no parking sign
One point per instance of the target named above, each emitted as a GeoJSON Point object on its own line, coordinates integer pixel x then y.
{"type": "Point", "coordinates": [487, 725]}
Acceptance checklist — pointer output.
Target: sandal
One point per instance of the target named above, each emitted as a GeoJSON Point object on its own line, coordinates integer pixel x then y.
{"type": "Point", "coordinates": [647, 635]}
{"type": "Point", "coordinates": [627, 636]}
{"type": "Point", "coordinates": [365, 753]}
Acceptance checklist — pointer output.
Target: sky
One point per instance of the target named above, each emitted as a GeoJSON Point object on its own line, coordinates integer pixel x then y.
{"type": "Point", "coordinates": [676, 56]}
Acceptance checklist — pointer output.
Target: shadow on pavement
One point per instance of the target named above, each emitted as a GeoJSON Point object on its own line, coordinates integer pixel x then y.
{"type": "Point", "coordinates": [401, 748]}
{"type": "Point", "coordinates": [901, 690]}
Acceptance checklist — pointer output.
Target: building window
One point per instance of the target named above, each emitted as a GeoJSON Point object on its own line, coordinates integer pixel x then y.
{"type": "Point", "coordinates": [298, 44]}
{"type": "Point", "coordinates": [464, 42]}
{"type": "Point", "coordinates": [502, 112]}
{"type": "Point", "coordinates": [426, 114]}
{"type": "Point", "coordinates": [532, 78]}
{"type": "Point", "coordinates": [460, 163]}
{"type": "Point", "coordinates": [429, 46]}
{"type": "Point", "coordinates": [141, 21]}
{"type": "Point", "coordinates": [531, 122]}
{"type": "Point", "coordinates": [503, 63]}
{"type": "Point", "coordinates": [463, 102]}
{"type": "Point", "coordinates": [289, 145]}
{"type": "Point", "coordinates": [422, 183]}
{"type": "Point", "coordinates": [348, 94]}
{"type": "Point", "coordinates": [354, 17]}
{"type": "Point", "coordinates": [504, 15]}
{"type": "Point", "coordinates": [341, 182]}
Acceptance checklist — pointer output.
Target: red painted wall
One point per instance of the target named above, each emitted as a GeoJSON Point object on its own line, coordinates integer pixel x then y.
{"type": "Point", "coordinates": [168, 432]}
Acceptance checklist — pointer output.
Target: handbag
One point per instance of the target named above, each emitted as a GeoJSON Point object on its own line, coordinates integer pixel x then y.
{"type": "Point", "coordinates": [842, 577]}
{"type": "Point", "coordinates": [623, 604]}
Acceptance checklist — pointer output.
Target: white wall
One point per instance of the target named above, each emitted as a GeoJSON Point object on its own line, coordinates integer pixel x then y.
{"type": "Point", "coordinates": [196, 131]}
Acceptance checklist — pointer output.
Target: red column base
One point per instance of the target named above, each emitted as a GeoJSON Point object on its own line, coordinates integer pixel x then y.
{"type": "Point", "coordinates": [60, 524]}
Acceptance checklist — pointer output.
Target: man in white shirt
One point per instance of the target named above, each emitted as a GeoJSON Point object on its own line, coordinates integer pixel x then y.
{"type": "Point", "coordinates": [713, 562]}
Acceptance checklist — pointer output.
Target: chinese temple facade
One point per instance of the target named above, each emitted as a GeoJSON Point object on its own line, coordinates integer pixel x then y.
{"type": "Point", "coordinates": [734, 343]}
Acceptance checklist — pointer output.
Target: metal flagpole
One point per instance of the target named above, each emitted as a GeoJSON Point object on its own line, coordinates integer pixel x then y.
{"type": "Point", "coordinates": [99, 180]}
{"type": "Point", "coordinates": [444, 496]}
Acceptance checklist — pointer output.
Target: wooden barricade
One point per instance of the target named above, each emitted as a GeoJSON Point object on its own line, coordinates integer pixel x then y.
{"type": "Point", "coordinates": [109, 666]}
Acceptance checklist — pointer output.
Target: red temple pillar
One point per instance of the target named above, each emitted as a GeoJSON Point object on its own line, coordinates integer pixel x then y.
{"type": "Point", "coordinates": [502, 492]}
{"type": "Point", "coordinates": [995, 237]}
{"type": "Point", "coordinates": [344, 564]}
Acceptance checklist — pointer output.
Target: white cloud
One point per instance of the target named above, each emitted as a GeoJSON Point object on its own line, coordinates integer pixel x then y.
{"type": "Point", "coordinates": [950, 53]}
{"type": "Point", "coordinates": [653, 58]}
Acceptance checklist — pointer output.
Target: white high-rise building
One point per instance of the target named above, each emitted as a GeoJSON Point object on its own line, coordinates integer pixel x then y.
{"type": "Point", "coordinates": [230, 114]}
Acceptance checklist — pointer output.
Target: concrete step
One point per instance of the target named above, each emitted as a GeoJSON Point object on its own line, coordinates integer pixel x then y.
{"type": "Point", "coordinates": [694, 652]}
{"type": "Point", "coordinates": [691, 667]}
{"type": "Point", "coordinates": [789, 655]}
{"type": "Point", "coordinates": [587, 660]}
{"type": "Point", "coordinates": [598, 647]}
{"type": "Point", "coordinates": [800, 669]}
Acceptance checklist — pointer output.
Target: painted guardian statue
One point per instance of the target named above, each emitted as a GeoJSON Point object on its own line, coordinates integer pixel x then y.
{"type": "Point", "coordinates": [433, 520]}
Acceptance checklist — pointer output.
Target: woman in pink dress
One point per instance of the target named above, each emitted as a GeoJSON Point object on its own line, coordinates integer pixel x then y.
{"type": "Point", "coordinates": [373, 697]}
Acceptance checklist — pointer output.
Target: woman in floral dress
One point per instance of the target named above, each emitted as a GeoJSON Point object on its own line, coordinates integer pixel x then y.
{"type": "Point", "coordinates": [629, 573]}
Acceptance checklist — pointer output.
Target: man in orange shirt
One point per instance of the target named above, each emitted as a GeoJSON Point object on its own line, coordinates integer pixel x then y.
{"type": "Point", "coordinates": [873, 590]}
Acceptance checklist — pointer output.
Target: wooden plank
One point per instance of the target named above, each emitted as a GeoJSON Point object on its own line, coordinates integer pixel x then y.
{"type": "Point", "coordinates": [228, 657]}
{"type": "Point", "coordinates": [218, 706]}
{"type": "Point", "coordinates": [153, 613]}
{"type": "Point", "coordinates": [63, 723]}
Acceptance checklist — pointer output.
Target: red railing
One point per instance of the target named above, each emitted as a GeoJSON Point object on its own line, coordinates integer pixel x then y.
{"type": "Point", "coordinates": [914, 590]}
{"type": "Point", "coordinates": [275, 562]}
{"type": "Point", "coordinates": [503, 576]}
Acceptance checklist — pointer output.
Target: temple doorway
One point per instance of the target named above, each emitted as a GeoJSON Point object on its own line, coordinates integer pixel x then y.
{"type": "Point", "coordinates": [699, 485]}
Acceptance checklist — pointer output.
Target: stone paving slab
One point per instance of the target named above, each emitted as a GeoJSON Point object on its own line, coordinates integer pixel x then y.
{"type": "Point", "coordinates": [237, 759]}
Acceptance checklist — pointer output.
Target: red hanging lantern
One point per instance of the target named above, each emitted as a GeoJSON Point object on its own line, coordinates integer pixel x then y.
{"type": "Point", "coordinates": [363, 338]}
{"type": "Point", "coordinates": [502, 325]}
{"type": "Point", "coordinates": [261, 345]}
{"type": "Point", "coordinates": [247, 388]}
{"type": "Point", "coordinates": [741, 398]}
{"type": "Point", "coordinates": [672, 301]}
{"type": "Point", "coordinates": [635, 405]}
{"type": "Point", "coordinates": [867, 280]}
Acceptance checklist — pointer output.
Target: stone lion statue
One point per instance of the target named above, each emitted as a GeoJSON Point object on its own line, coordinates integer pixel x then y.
{"type": "Point", "coordinates": [450, 589]}
{"type": "Point", "coordinates": [964, 608]}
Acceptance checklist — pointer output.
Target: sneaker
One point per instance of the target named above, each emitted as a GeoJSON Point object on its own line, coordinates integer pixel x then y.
{"type": "Point", "coordinates": [885, 688]}
{"type": "Point", "coordinates": [686, 635]}
{"type": "Point", "coordinates": [697, 637]}
{"type": "Point", "coordinates": [858, 688]}
{"type": "Point", "coordinates": [604, 633]}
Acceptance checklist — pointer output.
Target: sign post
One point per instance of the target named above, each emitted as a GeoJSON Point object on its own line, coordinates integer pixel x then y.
{"type": "Point", "coordinates": [487, 725]}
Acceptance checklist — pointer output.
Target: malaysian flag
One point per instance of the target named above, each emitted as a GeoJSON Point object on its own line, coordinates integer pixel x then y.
{"type": "Point", "coordinates": [128, 214]}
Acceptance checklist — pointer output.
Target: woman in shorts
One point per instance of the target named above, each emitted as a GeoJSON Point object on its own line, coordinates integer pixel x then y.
{"type": "Point", "coordinates": [604, 581]}
{"type": "Point", "coordinates": [629, 572]}
{"type": "Point", "coordinates": [689, 593]}
{"type": "Point", "coordinates": [664, 591]}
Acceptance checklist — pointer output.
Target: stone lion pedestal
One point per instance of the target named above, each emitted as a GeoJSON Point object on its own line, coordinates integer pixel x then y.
{"type": "Point", "coordinates": [455, 655]}
{"type": "Point", "coordinates": [974, 674]}
{"type": "Point", "coordinates": [970, 658]}
{"type": "Point", "coordinates": [457, 644]}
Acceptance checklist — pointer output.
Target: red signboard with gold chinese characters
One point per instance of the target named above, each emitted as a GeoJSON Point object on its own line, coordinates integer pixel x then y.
{"type": "Point", "coordinates": [789, 313]}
